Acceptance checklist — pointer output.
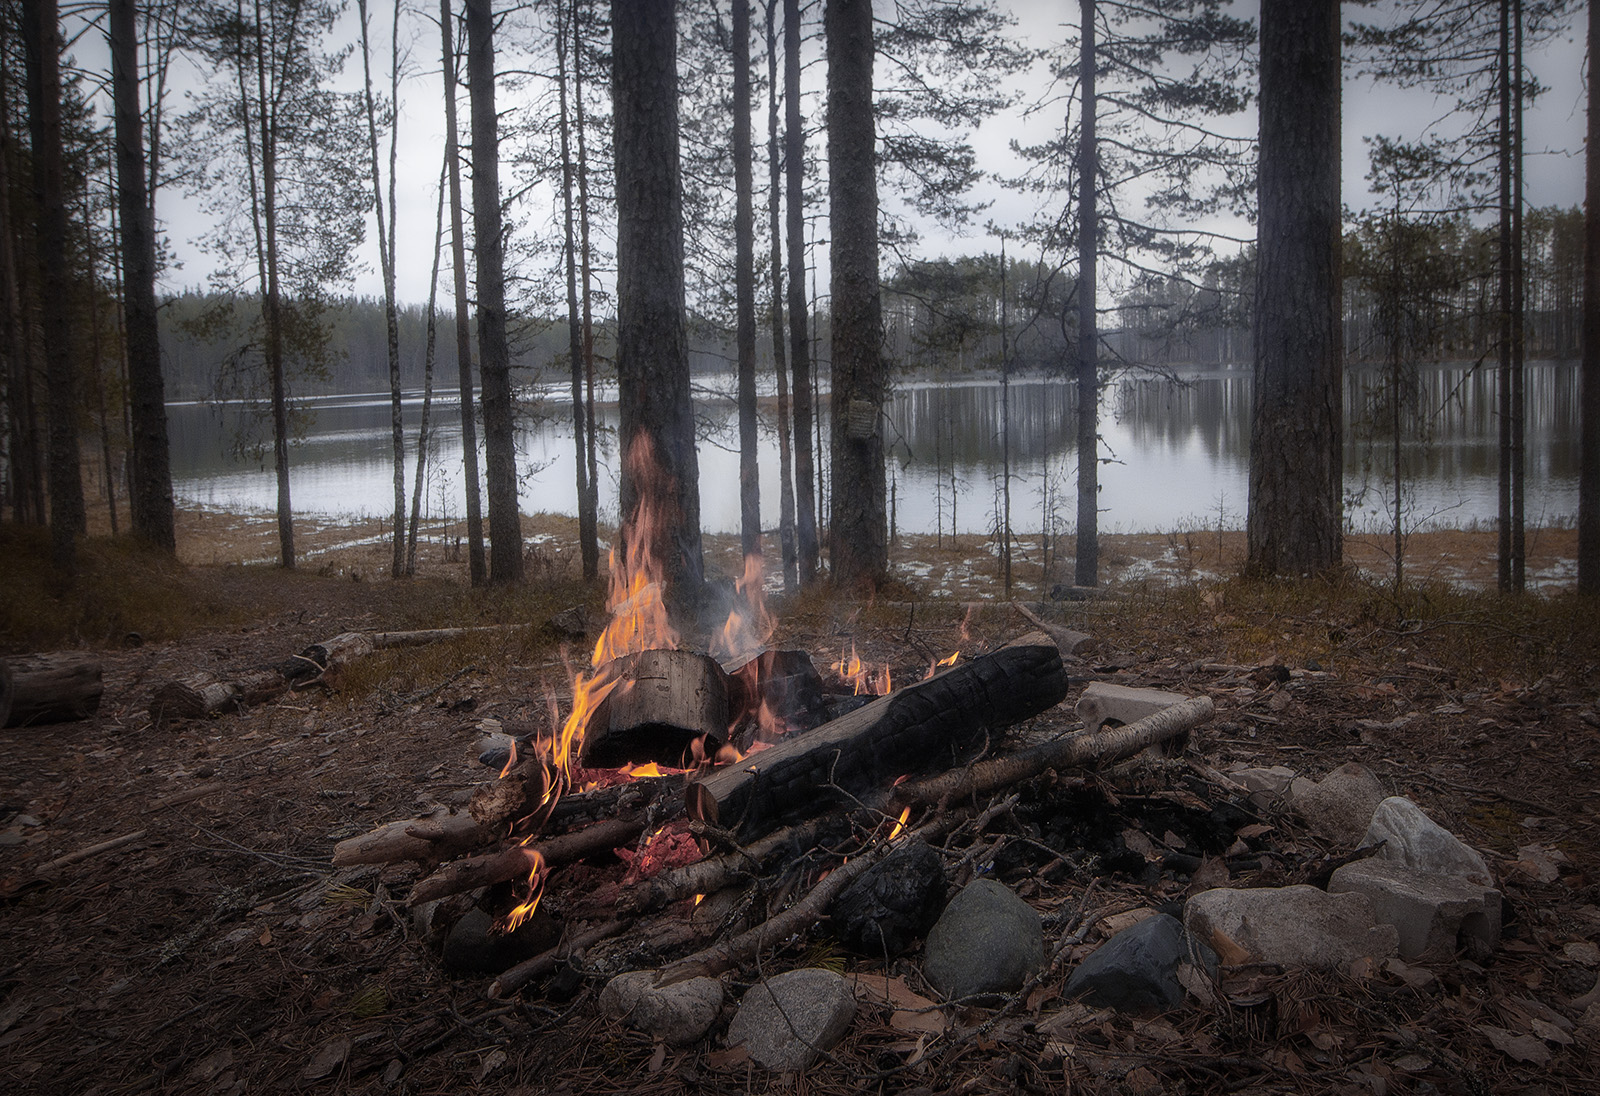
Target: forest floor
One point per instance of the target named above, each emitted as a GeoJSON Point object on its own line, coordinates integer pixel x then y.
{"type": "Point", "coordinates": [220, 952]}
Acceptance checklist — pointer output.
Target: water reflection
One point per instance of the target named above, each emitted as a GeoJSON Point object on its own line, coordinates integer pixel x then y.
{"type": "Point", "coordinates": [1175, 453]}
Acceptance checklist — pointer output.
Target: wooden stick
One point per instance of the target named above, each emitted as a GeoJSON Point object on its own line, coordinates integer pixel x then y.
{"type": "Point", "coordinates": [432, 838]}
{"type": "Point", "coordinates": [188, 795]}
{"type": "Point", "coordinates": [517, 861]}
{"type": "Point", "coordinates": [92, 850]}
{"type": "Point", "coordinates": [1068, 752]}
{"type": "Point", "coordinates": [512, 980]}
{"type": "Point", "coordinates": [1071, 643]}
{"type": "Point", "coordinates": [713, 873]}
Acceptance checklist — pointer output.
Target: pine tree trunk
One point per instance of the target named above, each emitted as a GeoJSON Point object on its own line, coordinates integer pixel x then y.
{"type": "Point", "coordinates": [589, 547]}
{"type": "Point", "coordinates": [151, 497]}
{"type": "Point", "coordinates": [1504, 550]}
{"type": "Point", "coordinates": [494, 351]}
{"type": "Point", "coordinates": [657, 415]}
{"type": "Point", "coordinates": [780, 364]}
{"type": "Point", "coordinates": [458, 254]}
{"type": "Point", "coordinates": [42, 36]}
{"type": "Point", "coordinates": [1589, 470]}
{"type": "Point", "coordinates": [857, 529]}
{"type": "Point", "coordinates": [25, 479]}
{"type": "Point", "coordinates": [586, 515]}
{"type": "Point", "coordinates": [429, 353]}
{"type": "Point", "coordinates": [1295, 521]}
{"type": "Point", "coordinates": [745, 285]}
{"type": "Point", "coordinates": [805, 473]}
{"type": "Point", "coordinates": [1087, 569]}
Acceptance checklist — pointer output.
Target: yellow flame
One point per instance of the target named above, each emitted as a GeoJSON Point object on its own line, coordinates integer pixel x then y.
{"type": "Point", "coordinates": [905, 816]}
{"type": "Point", "coordinates": [525, 909]}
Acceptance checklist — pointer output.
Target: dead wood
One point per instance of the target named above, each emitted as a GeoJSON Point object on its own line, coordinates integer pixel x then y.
{"type": "Point", "coordinates": [435, 837]}
{"type": "Point", "coordinates": [48, 688]}
{"type": "Point", "coordinates": [91, 850]}
{"type": "Point", "coordinates": [1069, 752]}
{"type": "Point", "coordinates": [665, 700]}
{"type": "Point", "coordinates": [545, 962]}
{"type": "Point", "coordinates": [203, 694]}
{"type": "Point", "coordinates": [715, 872]}
{"type": "Point", "coordinates": [1071, 643]}
{"type": "Point", "coordinates": [911, 730]}
{"type": "Point", "coordinates": [517, 862]}
{"type": "Point", "coordinates": [188, 795]}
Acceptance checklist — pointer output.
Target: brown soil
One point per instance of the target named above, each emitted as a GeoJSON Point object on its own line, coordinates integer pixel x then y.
{"type": "Point", "coordinates": [219, 952]}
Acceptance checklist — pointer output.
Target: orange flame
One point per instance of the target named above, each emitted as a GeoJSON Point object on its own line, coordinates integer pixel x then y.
{"type": "Point", "coordinates": [905, 816]}
{"type": "Point", "coordinates": [525, 909]}
{"type": "Point", "coordinates": [936, 665]}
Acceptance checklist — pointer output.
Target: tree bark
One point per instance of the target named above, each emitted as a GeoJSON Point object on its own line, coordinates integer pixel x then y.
{"type": "Point", "coordinates": [1589, 468]}
{"type": "Point", "coordinates": [1086, 570]}
{"type": "Point", "coordinates": [151, 496]}
{"type": "Point", "coordinates": [1295, 521]}
{"type": "Point", "coordinates": [42, 37]}
{"type": "Point", "coordinates": [805, 475]}
{"type": "Point", "coordinates": [587, 519]}
{"type": "Point", "coordinates": [780, 363]}
{"type": "Point", "coordinates": [458, 253]}
{"type": "Point", "coordinates": [657, 415]}
{"type": "Point", "coordinates": [744, 231]}
{"type": "Point", "coordinates": [589, 548]}
{"type": "Point", "coordinates": [494, 351]}
{"type": "Point", "coordinates": [857, 530]}
{"type": "Point", "coordinates": [54, 688]}
{"type": "Point", "coordinates": [25, 475]}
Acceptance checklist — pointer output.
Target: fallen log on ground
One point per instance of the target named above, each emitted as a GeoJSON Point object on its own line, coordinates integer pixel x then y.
{"type": "Point", "coordinates": [1069, 752]}
{"type": "Point", "coordinates": [48, 688]}
{"type": "Point", "coordinates": [911, 730]}
{"type": "Point", "coordinates": [435, 837]}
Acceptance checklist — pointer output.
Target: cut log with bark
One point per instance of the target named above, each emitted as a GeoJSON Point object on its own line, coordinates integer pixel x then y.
{"type": "Point", "coordinates": [921, 727]}
{"type": "Point", "coordinates": [665, 700]}
{"type": "Point", "coordinates": [48, 688]}
{"type": "Point", "coordinates": [429, 839]}
{"type": "Point", "coordinates": [203, 694]}
{"type": "Point", "coordinates": [1072, 751]}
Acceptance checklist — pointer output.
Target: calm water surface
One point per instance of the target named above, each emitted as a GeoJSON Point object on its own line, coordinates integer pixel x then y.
{"type": "Point", "coordinates": [1176, 454]}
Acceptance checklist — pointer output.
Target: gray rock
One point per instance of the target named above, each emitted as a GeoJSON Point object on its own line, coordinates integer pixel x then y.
{"type": "Point", "coordinates": [1265, 785]}
{"type": "Point", "coordinates": [1137, 969]}
{"type": "Point", "coordinates": [1435, 915]}
{"type": "Point", "coordinates": [987, 941]}
{"type": "Point", "coordinates": [1339, 806]}
{"type": "Point", "coordinates": [785, 1022]}
{"type": "Point", "coordinates": [1297, 926]}
{"type": "Point", "coordinates": [470, 947]}
{"type": "Point", "coordinates": [894, 904]}
{"type": "Point", "coordinates": [678, 1014]}
{"type": "Point", "coordinates": [1414, 840]}
{"type": "Point", "coordinates": [1101, 703]}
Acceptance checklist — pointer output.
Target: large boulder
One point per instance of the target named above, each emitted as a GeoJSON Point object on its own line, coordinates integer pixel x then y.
{"type": "Point", "coordinates": [1412, 839]}
{"type": "Point", "coordinates": [1297, 926]}
{"type": "Point", "coordinates": [987, 941]}
{"type": "Point", "coordinates": [785, 1022]}
{"type": "Point", "coordinates": [1435, 915]}
{"type": "Point", "coordinates": [1339, 806]}
{"type": "Point", "coordinates": [678, 1013]}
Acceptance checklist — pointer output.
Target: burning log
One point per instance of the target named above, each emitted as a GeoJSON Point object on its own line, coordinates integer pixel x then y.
{"type": "Point", "coordinates": [55, 688]}
{"type": "Point", "coordinates": [668, 699]}
{"type": "Point", "coordinates": [518, 861]}
{"type": "Point", "coordinates": [911, 730]}
{"type": "Point", "coordinates": [712, 874]}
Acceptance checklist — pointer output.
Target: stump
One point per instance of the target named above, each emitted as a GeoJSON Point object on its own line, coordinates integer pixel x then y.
{"type": "Point", "coordinates": [666, 700]}
{"type": "Point", "coordinates": [53, 688]}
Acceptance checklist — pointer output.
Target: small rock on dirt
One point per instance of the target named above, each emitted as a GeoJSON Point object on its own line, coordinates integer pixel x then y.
{"type": "Point", "coordinates": [678, 1013]}
{"type": "Point", "coordinates": [1415, 841]}
{"type": "Point", "coordinates": [1339, 806]}
{"type": "Point", "coordinates": [1103, 703]}
{"type": "Point", "coordinates": [1137, 969]}
{"type": "Point", "coordinates": [785, 1022]}
{"type": "Point", "coordinates": [987, 941]}
{"type": "Point", "coordinates": [1434, 914]}
{"type": "Point", "coordinates": [472, 946]}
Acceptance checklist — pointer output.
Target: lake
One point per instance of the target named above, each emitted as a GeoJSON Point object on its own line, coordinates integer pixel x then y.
{"type": "Point", "coordinates": [1176, 453]}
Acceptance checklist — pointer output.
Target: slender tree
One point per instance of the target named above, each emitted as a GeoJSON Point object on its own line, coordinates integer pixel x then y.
{"type": "Point", "coordinates": [151, 496]}
{"type": "Point", "coordinates": [494, 351]}
{"type": "Point", "coordinates": [429, 349]}
{"type": "Point", "coordinates": [477, 568]}
{"type": "Point", "coordinates": [1295, 520]}
{"type": "Point", "coordinates": [588, 538]}
{"type": "Point", "coordinates": [1589, 474]}
{"type": "Point", "coordinates": [800, 357]}
{"type": "Point", "coordinates": [657, 414]}
{"type": "Point", "coordinates": [42, 41]}
{"type": "Point", "coordinates": [386, 255]}
{"type": "Point", "coordinates": [1087, 567]}
{"type": "Point", "coordinates": [745, 285]}
{"type": "Point", "coordinates": [857, 529]}
{"type": "Point", "coordinates": [780, 362]}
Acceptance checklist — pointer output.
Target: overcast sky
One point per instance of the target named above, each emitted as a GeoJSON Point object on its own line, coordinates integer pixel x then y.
{"type": "Point", "coordinates": [1554, 142]}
